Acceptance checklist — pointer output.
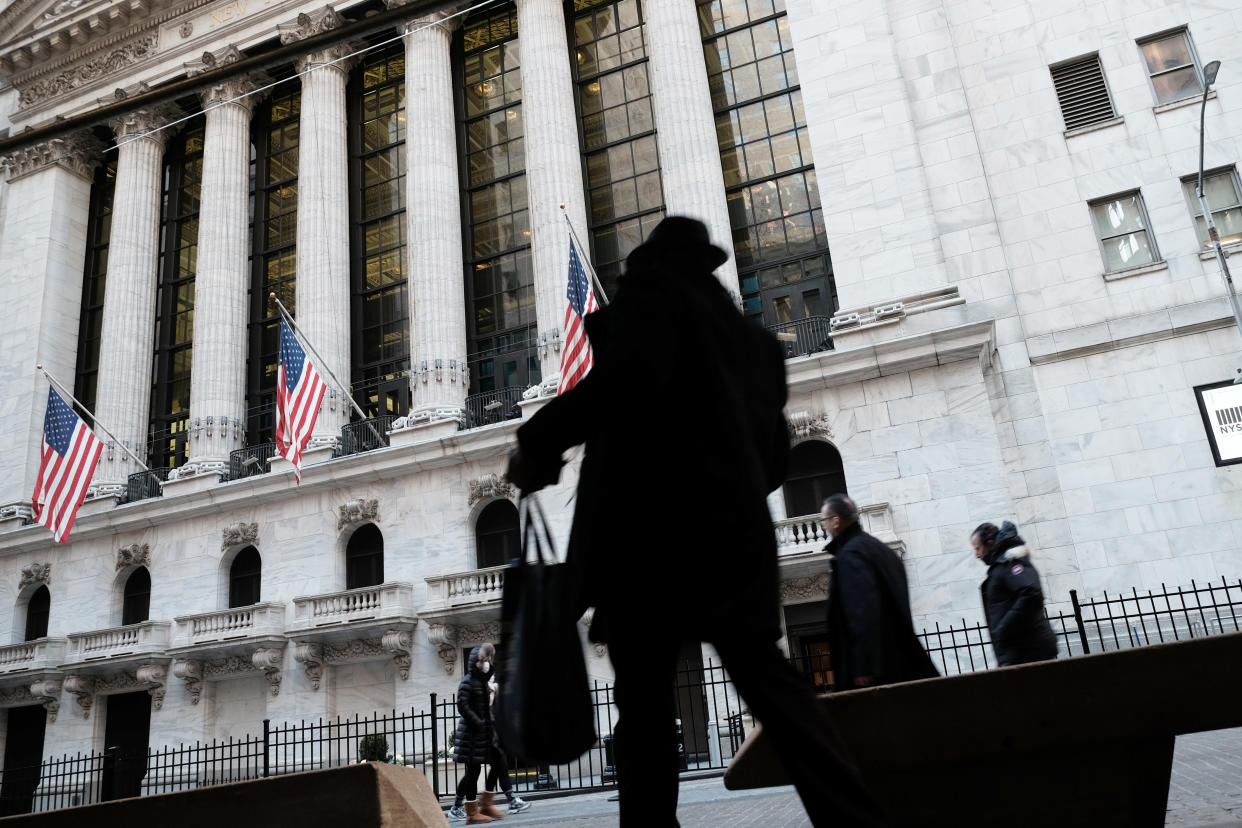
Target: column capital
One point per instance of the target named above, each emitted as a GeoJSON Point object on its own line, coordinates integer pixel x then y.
{"type": "Point", "coordinates": [446, 20]}
{"type": "Point", "coordinates": [78, 152]}
{"type": "Point", "coordinates": [143, 123]}
{"type": "Point", "coordinates": [330, 56]}
{"type": "Point", "coordinates": [230, 90]}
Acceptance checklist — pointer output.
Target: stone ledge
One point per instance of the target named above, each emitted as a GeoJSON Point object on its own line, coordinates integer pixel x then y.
{"type": "Point", "coordinates": [1180, 320]}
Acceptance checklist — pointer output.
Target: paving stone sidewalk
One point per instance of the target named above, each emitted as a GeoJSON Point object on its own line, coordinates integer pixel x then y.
{"type": "Point", "coordinates": [1205, 790]}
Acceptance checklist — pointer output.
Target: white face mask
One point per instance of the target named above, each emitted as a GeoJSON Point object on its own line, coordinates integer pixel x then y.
{"type": "Point", "coordinates": [485, 666]}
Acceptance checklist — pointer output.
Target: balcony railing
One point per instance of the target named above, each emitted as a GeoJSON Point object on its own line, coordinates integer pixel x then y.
{"type": "Point", "coordinates": [40, 654]}
{"type": "Point", "coordinates": [255, 621]}
{"type": "Point", "coordinates": [804, 336]}
{"type": "Point", "coordinates": [462, 589]}
{"type": "Point", "coordinates": [251, 460]}
{"type": "Point", "coordinates": [805, 533]}
{"type": "Point", "coordinates": [361, 436]}
{"type": "Point", "coordinates": [493, 407]}
{"type": "Point", "coordinates": [147, 638]}
{"type": "Point", "coordinates": [146, 484]}
{"type": "Point", "coordinates": [387, 601]}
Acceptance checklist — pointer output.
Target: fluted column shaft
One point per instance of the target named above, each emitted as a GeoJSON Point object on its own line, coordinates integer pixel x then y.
{"type": "Point", "coordinates": [124, 391]}
{"type": "Point", "coordinates": [686, 126]}
{"type": "Point", "coordinates": [323, 297]}
{"type": "Point", "coordinates": [218, 365]}
{"type": "Point", "coordinates": [438, 371]}
{"type": "Point", "coordinates": [553, 164]}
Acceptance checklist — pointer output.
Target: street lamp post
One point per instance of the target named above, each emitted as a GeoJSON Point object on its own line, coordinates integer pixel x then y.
{"type": "Point", "coordinates": [1209, 77]}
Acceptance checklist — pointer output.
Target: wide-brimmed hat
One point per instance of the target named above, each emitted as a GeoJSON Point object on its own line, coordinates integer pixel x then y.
{"type": "Point", "coordinates": [681, 241]}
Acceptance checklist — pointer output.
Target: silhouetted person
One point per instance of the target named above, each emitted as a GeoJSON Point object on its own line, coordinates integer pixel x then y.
{"type": "Point", "coordinates": [1013, 600]}
{"type": "Point", "coordinates": [871, 635]}
{"type": "Point", "coordinates": [682, 420]}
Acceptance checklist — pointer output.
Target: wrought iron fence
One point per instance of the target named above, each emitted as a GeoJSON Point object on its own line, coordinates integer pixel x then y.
{"type": "Point", "coordinates": [804, 336]}
{"type": "Point", "coordinates": [493, 407]}
{"type": "Point", "coordinates": [365, 435]}
{"type": "Point", "coordinates": [146, 484]}
{"type": "Point", "coordinates": [712, 719]}
{"type": "Point", "coordinates": [251, 460]}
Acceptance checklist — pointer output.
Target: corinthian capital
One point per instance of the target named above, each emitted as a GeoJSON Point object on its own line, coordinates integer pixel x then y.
{"type": "Point", "coordinates": [442, 19]}
{"type": "Point", "coordinates": [79, 153]}
{"type": "Point", "coordinates": [231, 90]}
{"type": "Point", "coordinates": [146, 122]}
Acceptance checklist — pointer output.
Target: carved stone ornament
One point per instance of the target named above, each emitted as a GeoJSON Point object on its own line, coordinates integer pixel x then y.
{"type": "Point", "coordinates": [398, 643]}
{"type": "Point", "coordinates": [239, 534]}
{"type": "Point", "coordinates": [12, 511]}
{"type": "Point", "coordinates": [78, 153]}
{"type": "Point", "coordinates": [213, 60]}
{"type": "Point", "coordinates": [490, 485]}
{"type": "Point", "coordinates": [61, 9]}
{"type": "Point", "coordinates": [808, 424]}
{"type": "Point", "coordinates": [478, 633]}
{"type": "Point", "coordinates": [18, 696]}
{"type": "Point", "coordinates": [309, 24]}
{"type": "Point", "coordinates": [186, 29]}
{"type": "Point", "coordinates": [146, 122]}
{"type": "Point", "coordinates": [269, 660]}
{"type": "Point", "coordinates": [444, 638]}
{"type": "Point", "coordinates": [47, 693]}
{"type": "Point", "coordinates": [358, 510]}
{"type": "Point", "coordinates": [191, 672]}
{"type": "Point", "coordinates": [310, 654]}
{"type": "Point", "coordinates": [231, 91]}
{"type": "Point", "coordinates": [136, 554]}
{"type": "Point", "coordinates": [36, 573]}
{"type": "Point", "coordinates": [97, 68]}
{"type": "Point", "coordinates": [153, 677]}
{"type": "Point", "coordinates": [84, 688]}
{"type": "Point", "coordinates": [804, 588]}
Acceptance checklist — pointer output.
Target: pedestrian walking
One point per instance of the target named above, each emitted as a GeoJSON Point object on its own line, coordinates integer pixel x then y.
{"type": "Point", "coordinates": [1013, 600]}
{"type": "Point", "coordinates": [871, 635]}
{"type": "Point", "coordinates": [498, 773]}
{"type": "Point", "coordinates": [674, 334]}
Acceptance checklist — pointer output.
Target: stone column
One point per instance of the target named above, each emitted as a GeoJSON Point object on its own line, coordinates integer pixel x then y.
{"type": "Point", "coordinates": [124, 392]}
{"type": "Point", "coordinates": [438, 373]}
{"type": "Point", "coordinates": [323, 289]}
{"type": "Point", "coordinates": [218, 366]}
{"type": "Point", "coordinates": [42, 250]}
{"type": "Point", "coordinates": [686, 126]}
{"type": "Point", "coordinates": [553, 166]}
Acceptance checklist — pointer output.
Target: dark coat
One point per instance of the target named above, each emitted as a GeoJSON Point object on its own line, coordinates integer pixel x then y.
{"type": "Point", "coordinates": [682, 420]}
{"type": "Point", "coordinates": [1014, 603]}
{"type": "Point", "coordinates": [870, 631]}
{"type": "Point", "coordinates": [474, 715]}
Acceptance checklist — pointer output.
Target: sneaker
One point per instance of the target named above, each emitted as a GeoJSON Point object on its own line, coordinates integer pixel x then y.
{"type": "Point", "coordinates": [517, 804]}
{"type": "Point", "coordinates": [457, 812]}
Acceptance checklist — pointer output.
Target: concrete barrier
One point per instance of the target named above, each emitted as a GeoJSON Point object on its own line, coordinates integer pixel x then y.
{"type": "Point", "coordinates": [1077, 741]}
{"type": "Point", "coordinates": [368, 795]}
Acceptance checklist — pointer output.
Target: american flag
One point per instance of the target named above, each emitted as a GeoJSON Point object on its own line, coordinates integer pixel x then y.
{"type": "Point", "coordinates": [576, 357]}
{"type": "Point", "coordinates": [299, 390]}
{"type": "Point", "coordinates": [70, 453]}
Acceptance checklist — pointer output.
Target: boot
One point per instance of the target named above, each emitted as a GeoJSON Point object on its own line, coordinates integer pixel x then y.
{"type": "Point", "coordinates": [473, 817]}
{"type": "Point", "coordinates": [487, 805]}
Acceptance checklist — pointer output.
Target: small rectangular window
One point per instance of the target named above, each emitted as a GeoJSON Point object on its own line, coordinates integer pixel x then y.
{"type": "Point", "coordinates": [1082, 92]}
{"type": "Point", "coordinates": [1172, 66]}
{"type": "Point", "coordinates": [1124, 232]}
{"type": "Point", "coordinates": [1224, 198]}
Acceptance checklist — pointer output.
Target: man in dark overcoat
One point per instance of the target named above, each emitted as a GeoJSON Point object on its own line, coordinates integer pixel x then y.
{"type": "Point", "coordinates": [871, 635]}
{"type": "Point", "coordinates": [682, 420]}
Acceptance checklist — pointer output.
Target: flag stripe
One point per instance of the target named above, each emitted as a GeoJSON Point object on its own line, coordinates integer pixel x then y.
{"type": "Point", "coordinates": [69, 455]}
{"type": "Point", "coordinates": [299, 391]}
{"type": "Point", "coordinates": [576, 355]}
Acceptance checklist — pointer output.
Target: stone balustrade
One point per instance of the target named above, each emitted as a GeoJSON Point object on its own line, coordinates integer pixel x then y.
{"type": "Point", "coordinates": [390, 600]}
{"type": "Point", "coordinates": [257, 620]}
{"type": "Point", "coordinates": [149, 637]}
{"type": "Point", "coordinates": [40, 654]}
{"type": "Point", "coordinates": [805, 534]}
{"type": "Point", "coordinates": [465, 588]}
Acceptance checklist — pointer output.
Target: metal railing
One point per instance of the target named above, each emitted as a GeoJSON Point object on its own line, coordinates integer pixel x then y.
{"type": "Point", "coordinates": [251, 460]}
{"type": "Point", "coordinates": [360, 436]}
{"type": "Point", "coordinates": [804, 336]}
{"type": "Point", "coordinates": [146, 484]}
{"type": "Point", "coordinates": [712, 720]}
{"type": "Point", "coordinates": [493, 407]}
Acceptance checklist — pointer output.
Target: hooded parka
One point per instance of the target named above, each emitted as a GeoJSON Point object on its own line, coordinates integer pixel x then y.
{"type": "Point", "coordinates": [1013, 602]}
{"type": "Point", "coordinates": [474, 715]}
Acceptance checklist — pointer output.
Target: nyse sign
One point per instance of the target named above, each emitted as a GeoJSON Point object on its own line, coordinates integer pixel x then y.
{"type": "Point", "coordinates": [1220, 404]}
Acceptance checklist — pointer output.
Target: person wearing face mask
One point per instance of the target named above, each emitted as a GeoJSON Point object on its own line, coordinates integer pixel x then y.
{"type": "Point", "coordinates": [870, 632]}
{"type": "Point", "coordinates": [475, 744]}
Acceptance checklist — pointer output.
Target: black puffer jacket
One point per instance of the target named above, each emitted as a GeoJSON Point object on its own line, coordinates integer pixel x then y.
{"type": "Point", "coordinates": [1014, 602]}
{"type": "Point", "coordinates": [474, 715]}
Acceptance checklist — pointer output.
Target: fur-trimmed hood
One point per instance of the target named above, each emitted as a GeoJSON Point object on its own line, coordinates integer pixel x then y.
{"type": "Point", "coordinates": [1021, 552]}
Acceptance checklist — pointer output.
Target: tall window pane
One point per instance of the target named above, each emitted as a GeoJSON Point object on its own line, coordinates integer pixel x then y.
{"type": "Point", "coordinates": [174, 322]}
{"type": "Point", "coordinates": [273, 257]}
{"type": "Point", "coordinates": [779, 241]}
{"type": "Point", "coordinates": [625, 199]}
{"type": "Point", "coordinates": [98, 234]}
{"type": "Point", "coordinates": [499, 281]}
{"type": "Point", "coordinates": [381, 343]}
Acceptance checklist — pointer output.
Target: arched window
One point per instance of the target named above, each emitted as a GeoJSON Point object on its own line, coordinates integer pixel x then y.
{"type": "Point", "coordinates": [245, 576]}
{"type": "Point", "coordinates": [497, 537]}
{"type": "Point", "coordinates": [37, 612]}
{"type": "Point", "coordinates": [136, 607]}
{"type": "Point", "coordinates": [815, 472]}
{"type": "Point", "coordinates": [364, 558]}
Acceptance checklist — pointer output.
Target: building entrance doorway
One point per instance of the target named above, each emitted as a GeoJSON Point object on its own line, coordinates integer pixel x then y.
{"type": "Point", "coordinates": [126, 731]}
{"type": "Point", "coordinates": [23, 754]}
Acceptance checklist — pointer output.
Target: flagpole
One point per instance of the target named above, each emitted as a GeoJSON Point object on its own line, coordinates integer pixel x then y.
{"type": "Point", "coordinates": [599, 287]}
{"type": "Point", "coordinates": [302, 338]}
{"type": "Point", "coordinates": [94, 419]}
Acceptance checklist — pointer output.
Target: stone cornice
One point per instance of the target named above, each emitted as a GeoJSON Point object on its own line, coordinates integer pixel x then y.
{"type": "Point", "coordinates": [78, 153]}
{"type": "Point", "coordinates": [938, 346]}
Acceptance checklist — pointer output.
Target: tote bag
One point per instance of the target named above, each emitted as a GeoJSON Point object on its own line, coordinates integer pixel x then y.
{"type": "Point", "coordinates": [543, 710]}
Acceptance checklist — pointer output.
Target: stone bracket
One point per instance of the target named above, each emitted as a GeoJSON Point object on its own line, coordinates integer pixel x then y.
{"type": "Point", "coordinates": [447, 638]}
{"type": "Point", "coordinates": [194, 672]}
